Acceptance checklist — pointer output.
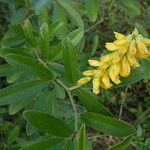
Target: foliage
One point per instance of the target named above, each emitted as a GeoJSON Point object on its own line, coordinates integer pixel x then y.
{"type": "Point", "coordinates": [45, 45]}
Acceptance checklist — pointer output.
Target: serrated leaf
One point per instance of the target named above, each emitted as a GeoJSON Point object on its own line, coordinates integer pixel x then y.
{"type": "Point", "coordinates": [81, 138]}
{"type": "Point", "coordinates": [21, 62]}
{"type": "Point", "coordinates": [107, 124]}
{"type": "Point", "coordinates": [47, 123]}
{"type": "Point", "coordinates": [72, 12]}
{"type": "Point", "coordinates": [122, 145]}
{"type": "Point", "coordinates": [92, 9]}
{"type": "Point", "coordinates": [69, 56]}
{"type": "Point", "coordinates": [42, 144]}
{"type": "Point", "coordinates": [91, 102]}
{"type": "Point", "coordinates": [19, 91]}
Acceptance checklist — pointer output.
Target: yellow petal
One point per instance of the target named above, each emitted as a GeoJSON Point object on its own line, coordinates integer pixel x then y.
{"type": "Point", "coordinates": [117, 81]}
{"type": "Point", "coordinates": [105, 65]}
{"type": "Point", "coordinates": [142, 50]}
{"type": "Point", "coordinates": [95, 63]}
{"type": "Point", "coordinates": [114, 71]}
{"type": "Point", "coordinates": [96, 85]}
{"type": "Point", "coordinates": [125, 67]}
{"type": "Point", "coordinates": [119, 35]}
{"type": "Point", "coordinates": [106, 58]}
{"type": "Point", "coordinates": [121, 41]}
{"type": "Point", "coordinates": [117, 58]}
{"type": "Point", "coordinates": [89, 73]}
{"type": "Point", "coordinates": [132, 48]}
{"type": "Point", "coordinates": [146, 41]}
{"type": "Point", "coordinates": [132, 60]}
{"type": "Point", "coordinates": [83, 81]}
{"type": "Point", "coordinates": [111, 46]}
{"type": "Point", "coordinates": [106, 80]}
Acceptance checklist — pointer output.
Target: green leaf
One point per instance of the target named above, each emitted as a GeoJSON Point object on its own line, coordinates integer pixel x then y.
{"type": "Point", "coordinates": [135, 76]}
{"type": "Point", "coordinates": [19, 91]}
{"type": "Point", "coordinates": [131, 6]}
{"type": "Point", "coordinates": [72, 12]}
{"type": "Point", "coordinates": [42, 144]}
{"type": "Point", "coordinates": [60, 14]}
{"type": "Point", "coordinates": [145, 67]}
{"type": "Point", "coordinates": [61, 94]}
{"type": "Point", "coordinates": [21, 62]}
{"type": "Point", "coordinates": [30, 129]}
{"type": "Point", "coordinates": [44, 40]}
{"type": "Point", "coordinates": [19, 51]}
{"type": "Point", "coordinates": [47, 123]}
{"type": "Point", "coordinates": [13, 135]}
{"type": "Point", "coordinates": [92, 9]}
{"type": "Point", "coordinates": [55, 52]}
{"type": "Point", "coordinates": [55, 28]}
{"type": "Point", "coordinates": [69, 55]}
{"type": "Point", "coordinates": [40, 5]}
{"type": "Point", "coordinates": [76, 36]}
{"type": "Point", "coordinates": [95, 44]}
{"type": "Point", "coordinates": [18, 15]}
{"type": "Point", "coordinates": [81, 138]}
{"type": "Point", "coordinates": [91, 102]}
{"type": "Point", "coordinates": [15, 107]}
{"type": "Point", "coordinates": [13, 41]}
{"type": "Point", "coordinates": [122, 145]}
{"type": "Point", "coordinates": [28, 31]}
{"type": "Point", "coordinates": [107, 125]}
{"type": "Point", "coordinates": [141, 29]}
{"type": "Point", "coordinates": [6, 70]}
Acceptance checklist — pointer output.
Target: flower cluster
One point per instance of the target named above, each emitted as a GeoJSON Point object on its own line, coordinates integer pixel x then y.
{"type": "Point", "coordinates": [124, 53]}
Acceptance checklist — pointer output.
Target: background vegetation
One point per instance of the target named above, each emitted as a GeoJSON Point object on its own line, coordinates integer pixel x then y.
{"type": "Point", "coordinates": [100, 19]}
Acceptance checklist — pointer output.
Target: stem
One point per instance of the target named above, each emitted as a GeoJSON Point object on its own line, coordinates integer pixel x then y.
{"type": "Point", "coordinates": [93, 26]}
{"type": "Point", "coordinates": [66, 88]}
{"type": "Point", "coordinates": [72, 103]}
{"type": "Point", "coordinates": [74, 87]}
{"type": "Point", "coordinates": [123, 100]}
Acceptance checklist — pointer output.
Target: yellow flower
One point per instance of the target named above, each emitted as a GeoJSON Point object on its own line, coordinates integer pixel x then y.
{"type": "Point", "coordinates": [146, 41]}
{"type": "Point", "coordinates": [94, 63]}
{"type": "Point", "coordinates": [89, 73]}
{"type": "Point", "coordinates": [119, 35]}
{"type": "Point", "coordinates": [96, 85]}
{"type": "Point", "coordinates": [124, 53]}
{"type": "Point", "coordinates": [111, 46]}
{"type": "Point", "coordinates": [114, 72]}
{"type": "Point", "coordinates": [125, 67]}
{"type": "Point", "coordinates": [83, 81]}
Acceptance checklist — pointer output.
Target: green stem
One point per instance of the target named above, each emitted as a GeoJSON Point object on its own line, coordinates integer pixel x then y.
{"type": "Point", "coordinates": [66, 88]}
{"type": "Point", "coordinates": [72, 103]}
{"type": "Point", "coordinates": [123, 100]}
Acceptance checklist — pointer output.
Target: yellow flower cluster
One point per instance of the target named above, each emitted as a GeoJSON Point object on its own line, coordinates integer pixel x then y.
{"type": "Point", "coordinates": [109, 68]}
